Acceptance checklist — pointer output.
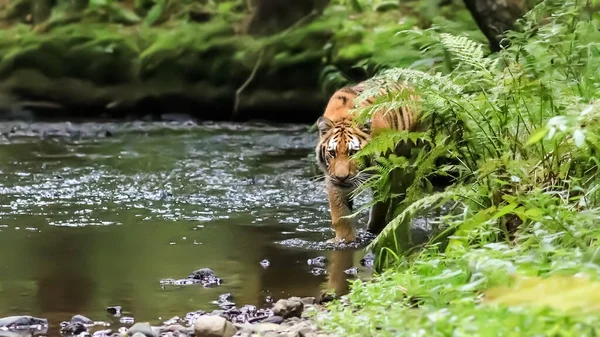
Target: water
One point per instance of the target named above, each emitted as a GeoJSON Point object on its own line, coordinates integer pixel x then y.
{"type": "Point", "coordinates": [88, 222]}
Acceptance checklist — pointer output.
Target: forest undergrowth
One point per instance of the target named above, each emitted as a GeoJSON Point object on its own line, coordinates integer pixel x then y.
{"type": "Point", "coordinates": [521, 129]}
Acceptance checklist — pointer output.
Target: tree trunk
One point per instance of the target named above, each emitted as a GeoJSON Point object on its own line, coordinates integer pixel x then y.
{"type": "Point", "coordinates": [495, 17]}
{"type": "Point", "coordinates": [41, 10]}
{"type": "Point", "coordinates": [271, 16]}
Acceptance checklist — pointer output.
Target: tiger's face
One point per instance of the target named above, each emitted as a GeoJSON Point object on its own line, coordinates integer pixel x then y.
{"type": "Point", "coordinates": [338, 141]}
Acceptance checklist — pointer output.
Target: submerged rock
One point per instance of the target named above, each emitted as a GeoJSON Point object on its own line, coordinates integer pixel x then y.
{"type": "Point", "coordinates": [225, 301]}
{"type": "Point", "coordinates": [318, 261]}
{"type": "Point", "coordinates": [204, 276]}
{"type": "Point", "coordinates": [114, 310]}
{"type": "Point", "coordinates": [213, 326]}
{"type": "Point", "coordinates": [318, 271]}
{"type": "Point", "coordinates": [265, 263]}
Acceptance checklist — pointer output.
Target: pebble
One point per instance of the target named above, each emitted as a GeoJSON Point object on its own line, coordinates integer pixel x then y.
{"type": "Point", "coordinates": [127, 320]}
{"type": "Point", "coordinates": [318, 261]}
{"type": "Point", "coordinates": [114, 310]}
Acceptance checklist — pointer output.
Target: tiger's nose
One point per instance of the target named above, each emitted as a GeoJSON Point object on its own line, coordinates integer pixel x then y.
{"type": "Point", "coordinates": [341, 178]}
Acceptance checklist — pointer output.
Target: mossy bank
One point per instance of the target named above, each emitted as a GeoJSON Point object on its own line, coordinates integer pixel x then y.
{"type": "Point", "coordinates": [120, 59]}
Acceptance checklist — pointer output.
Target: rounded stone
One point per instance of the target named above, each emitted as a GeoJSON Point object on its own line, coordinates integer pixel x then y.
{"type": "Point", "coordinates": [213, 326]}
{"type": "Point", "coordinates": [291, 307]}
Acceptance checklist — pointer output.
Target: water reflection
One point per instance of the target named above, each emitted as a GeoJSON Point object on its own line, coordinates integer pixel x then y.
{"type": "Point", "coordinates": [338, 280]}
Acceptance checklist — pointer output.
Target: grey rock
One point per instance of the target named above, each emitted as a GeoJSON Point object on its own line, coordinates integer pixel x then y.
{"type": "Point", "coordinates": [81, 319]}
{"type": "Point", "coordinates": [102, 333]}
{"type": "Point", "coordinates": [6, 333]}
{"type": "Point", "coordinates": [141, 328]}
{"type": "Point", "coordinates": [351, 271]}
{"type": "Point", "coordinates": [309, 300]}
{"type": "Point", "coordinates": [73, 328]}
{"type": "Point", "coordinates": [291, 307]}
{"type": "Point", "coordinates": [318, 261]}
{"type": "Point", "coordinates": [318, 271]}
{"type": "Point", "coordinates": [126, 320]}
{"type": "Point", "coordinates": [175, 330]}
{"type": "Point", "coordinates": [22, 321]}
{"type": "Point", "coordinates": [114, 310]}
{"type": "Point", "coordinates": [138, 334]}
{"type": "Point", "coordinates": [213, 326]}
{"type": "Point", "coordinates": [274, 320]}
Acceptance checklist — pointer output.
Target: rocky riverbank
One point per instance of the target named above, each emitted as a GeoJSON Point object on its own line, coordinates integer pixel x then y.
{"type": "Point", "coordinates": [286, 318]}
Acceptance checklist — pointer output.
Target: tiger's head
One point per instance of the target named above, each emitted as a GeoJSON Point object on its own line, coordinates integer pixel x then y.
{"type": "Point", "coordinates": [338, 141]}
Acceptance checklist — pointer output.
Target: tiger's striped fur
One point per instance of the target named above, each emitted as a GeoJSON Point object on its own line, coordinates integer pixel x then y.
{"type": "Point", "coordinates": [340, 138]}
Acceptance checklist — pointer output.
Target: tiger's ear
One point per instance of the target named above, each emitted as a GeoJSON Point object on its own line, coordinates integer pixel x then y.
{"type": "Point", "coordinates": [324, 125]}
{"type": "Point", "coordinates": [366, 127]}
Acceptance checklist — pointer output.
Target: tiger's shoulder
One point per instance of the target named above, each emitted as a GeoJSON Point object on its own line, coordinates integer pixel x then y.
{"type": "Point", "coordinates": [342, 101]}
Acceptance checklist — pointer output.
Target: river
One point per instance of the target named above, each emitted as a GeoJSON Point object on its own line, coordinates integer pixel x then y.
{"type": "Point", "coordinates": [88, 222]}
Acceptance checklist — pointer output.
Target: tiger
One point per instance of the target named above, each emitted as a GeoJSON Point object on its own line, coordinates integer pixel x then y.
{"type": "Point", "coordinates": [340, 137]}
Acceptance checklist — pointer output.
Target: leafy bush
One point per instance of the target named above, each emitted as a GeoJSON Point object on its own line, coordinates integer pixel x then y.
{"type": "Point", "coordinates": [521, 126]}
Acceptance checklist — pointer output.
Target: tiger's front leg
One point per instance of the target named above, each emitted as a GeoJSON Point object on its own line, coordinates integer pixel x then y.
{"type": "Point", "coordinates": [339, 206]}
{"type": "Point", "coordinates": [377, 217]}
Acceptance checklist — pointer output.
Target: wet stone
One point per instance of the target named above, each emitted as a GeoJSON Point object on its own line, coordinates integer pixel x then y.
{"type": "Point", "coordinates": [225, 301]}
{"type": "Point", "coordinates": [127, 320]}
{"type": "Point", "coordinates": [114, 310]}
{"type": "Point", "coordinates": [171, 321]}
{"type": "Point", "coordinates": [368, 260]}
{"type": "Point", "coordinates": [213, 326]}
{"type": "Point", "coordinates": [318, 261]}
{"type": "Point", "coordinates": [185, 282]}
{"type": "Point", "coordinates": [351, 271]}
{"type": "Point", "coordinates": [81, 319]}
{"type": "Point", "coordinates": [141, 328]}
{"type": "Point", "coordinates": [274, 320]}
{"type": "Point", "coordinates": [203, 276]}
{"type": "Point", "coordinates": [73, 328]}
{"type": "Point", "coordinates": [191, 317]}
{"type": "Point", "coordinates": [265, 263]}
{"type": "Point", "coordinates": [102, 333]}
{"type": "Point", "coordinates": [309, 300]}
{"type": "Point", "coordinates": [291, 307]}
{"type": "Point", "coordinates": [22, 322]}
{"type": "Point", "coordinates": [318, 271]}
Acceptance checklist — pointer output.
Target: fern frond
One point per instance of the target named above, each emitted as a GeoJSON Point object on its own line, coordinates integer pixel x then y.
{"type": "Point", "coordinates": [411, 210]}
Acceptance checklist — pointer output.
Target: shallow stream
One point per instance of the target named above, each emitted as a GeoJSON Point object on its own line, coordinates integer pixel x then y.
{"type": "Point", "coordinates": [95, 215]}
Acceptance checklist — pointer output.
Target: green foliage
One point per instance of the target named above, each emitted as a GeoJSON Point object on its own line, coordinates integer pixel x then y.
{"type": "Point", "coordinates": [519, 122]}
{"type": "Point", "coordinates": [522, 126]}
{"type": "Point", "coordinates": [370, 41]}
